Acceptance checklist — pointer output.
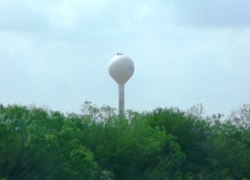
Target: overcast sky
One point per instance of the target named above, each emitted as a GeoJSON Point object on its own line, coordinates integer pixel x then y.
{"type": "Point", "coordinates": [55, 53]}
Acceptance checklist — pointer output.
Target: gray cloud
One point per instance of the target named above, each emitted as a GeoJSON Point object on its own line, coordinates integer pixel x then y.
{"type": "Point", "coordinates": [57, 53]}
{"type": "Point", "coordinates": [18, 16]}
{"type": "Point", "coordinates": [211, 13]}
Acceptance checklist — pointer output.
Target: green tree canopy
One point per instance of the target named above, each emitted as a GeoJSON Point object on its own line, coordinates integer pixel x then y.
{"type": "Point", "coordinates": [166, 143]}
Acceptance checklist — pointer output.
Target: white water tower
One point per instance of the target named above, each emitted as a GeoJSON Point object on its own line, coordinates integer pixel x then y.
{"type": "Point", "coordinates": [121, 68]}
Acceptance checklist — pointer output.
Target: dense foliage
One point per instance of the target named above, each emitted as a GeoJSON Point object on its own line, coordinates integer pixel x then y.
{"type": "Point", "coordinates": [37, 143]}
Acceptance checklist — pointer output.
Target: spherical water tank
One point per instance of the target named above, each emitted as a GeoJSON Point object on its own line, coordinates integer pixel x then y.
{"type": "Point", "coordinates": [121, 68]}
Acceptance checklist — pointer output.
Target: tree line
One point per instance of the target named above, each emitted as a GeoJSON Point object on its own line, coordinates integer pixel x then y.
{"type": "Point", "coordinates": [165, 143]}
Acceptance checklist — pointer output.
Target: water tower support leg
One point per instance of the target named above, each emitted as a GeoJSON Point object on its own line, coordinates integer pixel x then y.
{"type": "Point", "coordinates": [121, 99]}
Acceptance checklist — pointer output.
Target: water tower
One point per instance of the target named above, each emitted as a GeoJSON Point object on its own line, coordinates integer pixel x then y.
{"type": "Point", "coordinates": [121, 68]}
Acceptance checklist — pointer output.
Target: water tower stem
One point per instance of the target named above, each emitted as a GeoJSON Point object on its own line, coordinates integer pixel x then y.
{"type": "Point", "coordinates": [121, 99]}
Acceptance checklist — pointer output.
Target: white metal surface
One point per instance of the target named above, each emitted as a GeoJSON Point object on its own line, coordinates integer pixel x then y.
{"type": "Point", "coordinates": [121, 99]}
{"type": "Point", "coordinates": [121, 68]}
